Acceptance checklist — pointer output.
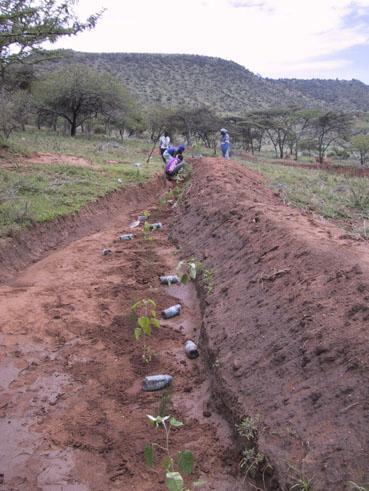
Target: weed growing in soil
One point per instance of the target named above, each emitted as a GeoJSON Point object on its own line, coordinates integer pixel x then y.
{"type": "Point", "coordinates": [184, 461]}
{"type": "Point", "coordinates": [252, 461]}
{"type": "Point", "coordinates": [302, 483]}
{"type": "Point", "coordinates": [248, 428]}
{"type": "Point", "coordinates": [357, 487]}
{"type": "Point", "coordinates": [145, 311]}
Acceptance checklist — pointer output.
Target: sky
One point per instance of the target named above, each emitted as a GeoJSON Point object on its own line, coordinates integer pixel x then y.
{"type": "Point", "coordinates": [273, 38]}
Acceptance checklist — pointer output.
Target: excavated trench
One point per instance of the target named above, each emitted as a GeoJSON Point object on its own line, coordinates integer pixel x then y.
{"type": "Point", "coordinates": [73, 415]}
{"type": "Point", "coordinates": [280, 316]}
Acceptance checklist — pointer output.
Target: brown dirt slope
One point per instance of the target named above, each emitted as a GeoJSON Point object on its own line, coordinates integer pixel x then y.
{"type": "Point", "coordinates": [286, 325]}
{"type": "Point", "coordinates": [30, 245]}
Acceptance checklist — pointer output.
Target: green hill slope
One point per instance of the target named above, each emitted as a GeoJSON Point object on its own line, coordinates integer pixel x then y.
{"type": "Point", "coordinates": [191, 80]}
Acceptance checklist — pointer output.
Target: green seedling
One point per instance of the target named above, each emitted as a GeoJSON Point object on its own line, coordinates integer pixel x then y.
{"type": "Point", "coordinates": [188, 270]}
{"type": "Point", "coordinates": [191, 268]}
{"type": "Point", "coordinates": [174, 468]}
{"type": "Point", "coordinates": [145, 311]}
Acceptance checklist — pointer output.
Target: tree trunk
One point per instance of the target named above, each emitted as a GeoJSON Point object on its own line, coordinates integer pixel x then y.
{"type": "Point", "coordinates": [73, 127]}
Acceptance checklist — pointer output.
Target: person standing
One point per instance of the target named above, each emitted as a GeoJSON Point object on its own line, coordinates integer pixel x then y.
{"type": "Point", "coordinates": [225, 143]}
{"type": "Point", "coordinates": [164, 144]}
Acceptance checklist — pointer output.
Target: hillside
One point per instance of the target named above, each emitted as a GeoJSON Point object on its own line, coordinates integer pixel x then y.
{"type": "Point", "coordinates": [191, 80]}
{"type": "Point", "coordinates": [350, 94]}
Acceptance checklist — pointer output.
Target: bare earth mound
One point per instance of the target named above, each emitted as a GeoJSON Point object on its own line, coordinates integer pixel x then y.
{"type": "Point", "coordinates": [286, 325]}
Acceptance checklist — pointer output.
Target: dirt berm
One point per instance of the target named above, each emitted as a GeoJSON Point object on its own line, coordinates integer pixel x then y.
{"type": "Point", "coordinates": [286, 325]}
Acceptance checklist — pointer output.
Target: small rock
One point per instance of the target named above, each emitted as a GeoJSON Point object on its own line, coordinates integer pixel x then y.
{"type": "Point", "coordinates": [236, 365]}
{"type": "Point", "coordinates": [107, 252]}
{"type": "Point", "coordinates": [206, 414]}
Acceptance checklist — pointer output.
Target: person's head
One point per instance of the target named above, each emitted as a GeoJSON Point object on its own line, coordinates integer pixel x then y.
{"type": "Point", "coordinates": [166, 133]}
{"type": "Point", "coordinates": [223, 131]}
{"type": "Point", "coordinates": [181, 148]}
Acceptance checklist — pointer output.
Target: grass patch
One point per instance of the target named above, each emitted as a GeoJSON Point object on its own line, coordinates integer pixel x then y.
{"type": "Point", "coordinates": [37, 193]}
{"type": "Point", "coordinates": [329, 195]}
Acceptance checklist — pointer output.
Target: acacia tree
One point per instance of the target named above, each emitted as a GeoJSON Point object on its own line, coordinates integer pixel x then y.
{"type": "Point", "coordinates": [328, 128]}
{"type": "Point", "coordinates": [360, 143]}
{"type": "Point", "coordinates": [26, 24]}
{"type": "Point", "coordinates": [80, 93]}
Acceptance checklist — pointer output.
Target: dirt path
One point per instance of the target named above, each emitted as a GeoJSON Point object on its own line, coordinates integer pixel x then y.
{"type": "Point", "coordinates": [72, 411]}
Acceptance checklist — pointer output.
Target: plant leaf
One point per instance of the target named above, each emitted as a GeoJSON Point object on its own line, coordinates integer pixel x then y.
{"type": "Point", "coordinates": [155, 323]}
{"type": "Point", "coordinates": [192, 270]}
{"type": "Point", "coordinates": [186, 461]}
{"type": "Point", "coordinates": [144, 323]}
{"type": "Point", "coordinates": [174, 481]}
{"type": "Point", "coordinates": [184, 279]}
{"type": "Point", "coordinates": [149, 455]}
{"type": "Point", "coordinates": [167, 463]}
{"type": "Point", "coordinates": [174, 422]}
{"type": "Point", "coordinates": [198, 484]}
{"type": "Point", "coordinates": [137, 333]}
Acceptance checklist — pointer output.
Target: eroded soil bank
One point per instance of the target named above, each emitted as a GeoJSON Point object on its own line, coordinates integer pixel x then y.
{"type": "Point", "coordinates": [285, 325]}
{"type": "Point", "coordinates": [31, 245]}
{"type": "Point", "coordinates": [73, 416]}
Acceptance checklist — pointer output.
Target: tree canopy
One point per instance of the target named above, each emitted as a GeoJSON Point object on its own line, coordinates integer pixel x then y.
{"type": "Point", "coordinates": [82, 93]}
{"type": "Point", "coordinates": [26, 24]}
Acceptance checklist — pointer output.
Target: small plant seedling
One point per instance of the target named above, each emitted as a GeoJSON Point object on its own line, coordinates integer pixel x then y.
{"type": "Point", "coordinates": [190, 269]}
{"type": "Point", "coordinates": [174, 468]}
{"type": "Point", "coordinates": [302, 483]}
{"type": "Point", "coordinates": [251, 460]}
{"type": "Point", "coordinates": [248, 428]}
{"type": "Point", "coordinates": [145, 311]}
{"type": "Point", "coordinates": [208, 279]}
{"type": "Point", "coordinates": [357, 487]}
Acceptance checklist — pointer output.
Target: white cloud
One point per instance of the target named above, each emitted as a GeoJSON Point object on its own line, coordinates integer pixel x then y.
{"type": "Point", "coordinates": [272, 37]}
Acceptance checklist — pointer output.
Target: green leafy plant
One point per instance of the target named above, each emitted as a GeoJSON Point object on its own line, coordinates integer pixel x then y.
{"type": "Point", "coordinates": [174, 468]}
{"type": "Point", "coordinates": [145, 311]}
{"type": "Point", "coordinates": [190, 269]}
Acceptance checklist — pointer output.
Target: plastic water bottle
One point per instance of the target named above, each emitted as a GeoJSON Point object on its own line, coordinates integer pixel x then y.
{"type": "Point", "coordinates": [169, 280]}
{"type": "Point", "coordinates": [191, 349]}
{"type": "Point", "coordinates": [172, 311]}
{"type": "Point", "coordinates": [155, 226]}
{"type": "Point", "coordinates": [126, 237]}
{"type": "Point", "coordinates": [156, 382]}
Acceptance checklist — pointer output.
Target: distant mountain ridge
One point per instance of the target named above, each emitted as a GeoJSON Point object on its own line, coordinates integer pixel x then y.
{"type": "Point", "coordinates": [175, 80]}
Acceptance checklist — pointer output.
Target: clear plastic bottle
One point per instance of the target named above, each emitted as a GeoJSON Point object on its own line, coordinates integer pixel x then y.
{"type": "Point", "coordinates": [156, 382]}
{"type": "Point", "coordinates": [172, 311]}
{"type": "Point", "coordinates": [169, 279]}
{"type": "Point", "coordinates": [126, 237]}
{"type": "Point", "coordinates": [191, 349]}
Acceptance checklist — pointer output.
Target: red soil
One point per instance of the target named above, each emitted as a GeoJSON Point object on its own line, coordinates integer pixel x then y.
{"type": "Point", "coordinates": [286, 327]}
{"type": "Point", "coordinates": [73, 415]}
